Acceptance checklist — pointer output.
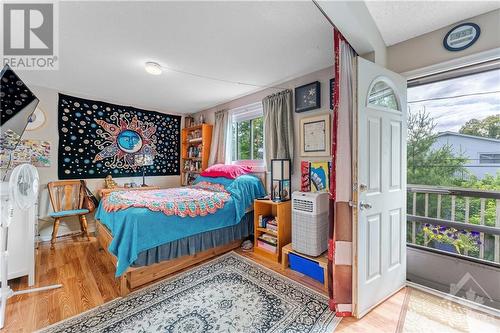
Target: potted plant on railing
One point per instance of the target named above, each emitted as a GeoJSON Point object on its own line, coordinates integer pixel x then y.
{"type": "Point", "coordinates": [451, 239]}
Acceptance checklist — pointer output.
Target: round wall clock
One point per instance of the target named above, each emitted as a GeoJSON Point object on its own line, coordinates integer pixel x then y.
{"type": "Point", "coordinates": [36, 120]}
{"type": "Point", "coordinates": [461, 37]}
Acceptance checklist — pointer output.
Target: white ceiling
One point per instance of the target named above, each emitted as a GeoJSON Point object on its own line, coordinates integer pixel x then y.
{"type": "Point", "coordinates": [402, 20]}
{"type": "Point", "coordinates": [104, 45]}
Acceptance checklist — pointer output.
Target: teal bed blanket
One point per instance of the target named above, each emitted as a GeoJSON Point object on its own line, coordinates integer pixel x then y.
{"type": "Point", "coordinates": [136, 229]}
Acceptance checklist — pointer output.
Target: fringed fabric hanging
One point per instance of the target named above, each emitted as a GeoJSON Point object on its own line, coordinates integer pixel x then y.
{"type": "Point", "coordinates": [340, 229]}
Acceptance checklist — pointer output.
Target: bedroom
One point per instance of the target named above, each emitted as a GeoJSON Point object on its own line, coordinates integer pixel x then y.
{"type": "Point", "coordinates": [155, 92]}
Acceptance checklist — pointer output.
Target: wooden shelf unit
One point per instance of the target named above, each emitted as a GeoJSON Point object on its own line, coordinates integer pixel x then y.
{"type": "Point", "coordinates": [282, 211]}
{"type": "Point", "coordinates": [201, 140]}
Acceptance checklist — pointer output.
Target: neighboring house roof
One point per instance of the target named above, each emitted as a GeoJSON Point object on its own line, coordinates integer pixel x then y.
{"type": "Point", "coordinates": [467, 136]}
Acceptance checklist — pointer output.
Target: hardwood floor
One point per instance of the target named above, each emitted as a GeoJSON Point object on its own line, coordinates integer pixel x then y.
{"type": "Point", "coordinates": [88, 280]}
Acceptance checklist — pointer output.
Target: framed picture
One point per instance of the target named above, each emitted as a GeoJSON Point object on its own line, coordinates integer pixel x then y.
{"type": "Point", "coordinates": [315, 136]}
{"type": "Point", "coordinates": [308, 97]}
{"type": "Point", "coordinates": [320, 176]}
{"type": "Point", "coordinates": [332, 91]}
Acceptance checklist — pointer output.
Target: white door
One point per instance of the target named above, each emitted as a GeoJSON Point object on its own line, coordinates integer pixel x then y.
{"type": "Point", "coordinates": [380, 232]}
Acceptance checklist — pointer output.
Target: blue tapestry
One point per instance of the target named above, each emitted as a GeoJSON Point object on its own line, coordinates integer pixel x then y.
{"type": "Point", "coordinates": [97, 139]}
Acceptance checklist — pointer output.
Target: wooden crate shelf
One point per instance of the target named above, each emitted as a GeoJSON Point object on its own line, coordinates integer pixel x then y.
{"type": "Point", "coordinates": [199, 136]}
{"type": "Point", "coordinates": [282, 212]}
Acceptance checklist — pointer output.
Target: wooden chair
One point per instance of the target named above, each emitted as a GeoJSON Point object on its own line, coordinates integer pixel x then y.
{"type": "Point", "coordinates": [66, 197]}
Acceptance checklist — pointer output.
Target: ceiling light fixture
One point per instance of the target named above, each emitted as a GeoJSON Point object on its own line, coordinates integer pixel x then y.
{"type": "Point", "coordinates": [153, 68]}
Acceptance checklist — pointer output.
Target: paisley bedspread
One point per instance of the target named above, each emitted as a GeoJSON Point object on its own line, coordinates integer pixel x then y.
{"type": "Point", "coordinates": [139, 220]}
{"type": "Point", "coordinates": [196, 200]}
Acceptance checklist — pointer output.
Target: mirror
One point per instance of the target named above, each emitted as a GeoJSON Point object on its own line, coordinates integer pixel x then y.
{"type": "Point", "coordinates": [17, 104]}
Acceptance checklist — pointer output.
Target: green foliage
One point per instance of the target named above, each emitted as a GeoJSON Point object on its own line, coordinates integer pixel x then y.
{"type": "Point", "coordinates": [244, 133]}
{"type": "Point", "coordinates": [258, 138]}
{"type": "Point", "coordinates": [488, 127]}
{"type": "Point", "coordinates": [428, 166]}
{"type": "Point", "coordinates": [462, 240]}
{"type": "Point", "coordinates": [442, 167]}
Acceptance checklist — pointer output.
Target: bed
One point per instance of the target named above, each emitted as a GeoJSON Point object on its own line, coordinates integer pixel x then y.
{"type": "Point", "coordinates": [150, 234]}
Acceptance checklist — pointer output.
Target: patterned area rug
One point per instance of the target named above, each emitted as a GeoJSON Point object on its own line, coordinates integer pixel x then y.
{"type": "Point", "coordinates": [228, 294]}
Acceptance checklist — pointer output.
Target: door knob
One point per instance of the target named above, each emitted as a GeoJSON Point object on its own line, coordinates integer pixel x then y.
{"type": "Point", "coordinates": [365, 205]}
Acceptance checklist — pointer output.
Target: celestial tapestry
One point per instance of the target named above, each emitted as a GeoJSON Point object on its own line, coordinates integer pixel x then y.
{"type": "Point", "coordinates": [97, 139]}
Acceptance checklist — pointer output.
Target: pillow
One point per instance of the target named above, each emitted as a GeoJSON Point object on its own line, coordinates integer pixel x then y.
{"type": "Point", "coordinates": [226, 171]}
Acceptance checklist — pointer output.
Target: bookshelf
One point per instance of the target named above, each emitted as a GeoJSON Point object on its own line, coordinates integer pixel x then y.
{"type": "Point", "coordinates": [281, 211]}
{"type": "Point", "coordinates": [195, 151]}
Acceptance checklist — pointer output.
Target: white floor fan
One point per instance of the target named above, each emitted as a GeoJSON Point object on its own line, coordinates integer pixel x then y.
{"type": "Point", "coordinates": [22, 193]}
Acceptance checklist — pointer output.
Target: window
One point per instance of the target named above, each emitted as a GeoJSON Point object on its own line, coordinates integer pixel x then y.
{"type": "Point", "coordinates": [381, 94]}
{"type": "Point", "coordinates": [489, 158]}
{"type": "Point", "coordinates": [247, 133]}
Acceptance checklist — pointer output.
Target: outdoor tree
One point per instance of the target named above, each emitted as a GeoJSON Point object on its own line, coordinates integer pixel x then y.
{"type": "Point", "coordinates": [488, 127]}
{"type": "Point", "coordinates": [428, 164]}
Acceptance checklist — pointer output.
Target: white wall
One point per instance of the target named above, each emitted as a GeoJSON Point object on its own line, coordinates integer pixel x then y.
{"type": "Point", "coordinates": [49, 132]}
{"type": "Point", "coordinates": [354, 21]}
{"type": "Point", "coordinates": [322, 76]}
{"type": "Point", "coordinates": [428, 49]}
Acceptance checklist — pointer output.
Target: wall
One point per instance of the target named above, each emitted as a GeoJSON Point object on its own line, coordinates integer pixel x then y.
{"type": "Point", "coordinates": [49, 132]}
{"type": "Point", "coordinates": [354, 21]}
{"type": "Point", "coordinates": [322, 76]}
{"type": "Point", "coordinates": [428, 49]}
{"type": "Point", "coordinates": [441, 272]}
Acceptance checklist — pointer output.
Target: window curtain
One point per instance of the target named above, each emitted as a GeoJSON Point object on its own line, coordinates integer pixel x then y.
{"type": "Point", "coordinates": [278, 126]}
{"type": "Point", "coordinates": [219, 138]}
{"type": "Point", "coordinates": [340, 228]}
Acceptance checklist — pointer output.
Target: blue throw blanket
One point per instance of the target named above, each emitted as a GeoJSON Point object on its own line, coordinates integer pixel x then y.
{"type": "Point", "coordinates": [139, 229]}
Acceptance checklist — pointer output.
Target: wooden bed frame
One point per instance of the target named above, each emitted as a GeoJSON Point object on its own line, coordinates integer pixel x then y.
{"type": "Point", "coordinates": [136, 277]}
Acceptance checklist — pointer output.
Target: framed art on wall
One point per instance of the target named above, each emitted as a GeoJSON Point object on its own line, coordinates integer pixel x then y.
{"type": "Point", "coordinates": [308, 97]}
{"type": "Point", "coordinates": [315, 136]}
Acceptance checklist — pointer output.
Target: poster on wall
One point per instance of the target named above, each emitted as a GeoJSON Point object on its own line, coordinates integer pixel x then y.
{"type": "Point", "coordinates": [320, 176]}
{"type": "Point", "coordinates": [97, 139]}
{"type": "Point", "coordinates": [35, 152]}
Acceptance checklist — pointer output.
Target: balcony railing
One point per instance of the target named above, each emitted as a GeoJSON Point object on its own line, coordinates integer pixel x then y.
{"type": "Point", "coordinates": [463, 210]}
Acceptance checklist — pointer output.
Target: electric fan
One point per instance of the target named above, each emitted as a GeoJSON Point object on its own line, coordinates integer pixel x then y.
{"type": "Point", "coordinates": [22, 194]}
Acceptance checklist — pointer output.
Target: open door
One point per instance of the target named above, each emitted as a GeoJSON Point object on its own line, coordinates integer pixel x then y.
{"type": "Point", "coordinates": [379, 215]}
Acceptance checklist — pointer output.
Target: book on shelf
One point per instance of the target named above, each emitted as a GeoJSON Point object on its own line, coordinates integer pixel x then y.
{"type": "Point", "coordinates": [272, 227]}
{"type": "Point", "coordinates": [266, 246]}
{"type": "Point", "coordinates": [188, 179]}
{"type": "Point", "coordinates": [270, 239]}
{"type": "Point", "coordinates": [265, 220]}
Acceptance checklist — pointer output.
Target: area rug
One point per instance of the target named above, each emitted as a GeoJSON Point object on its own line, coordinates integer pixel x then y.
{"type": "Point", "coordinates": [228, 294]}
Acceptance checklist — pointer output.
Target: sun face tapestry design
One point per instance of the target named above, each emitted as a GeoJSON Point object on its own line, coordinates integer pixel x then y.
{"type": "Point", "coordinates": [97, 139]}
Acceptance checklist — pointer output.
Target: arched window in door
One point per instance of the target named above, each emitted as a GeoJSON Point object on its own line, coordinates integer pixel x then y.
{"type": "Point", "coordinates": [381, 94]}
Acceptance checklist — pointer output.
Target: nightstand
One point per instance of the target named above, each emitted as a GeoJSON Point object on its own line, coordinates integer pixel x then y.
{"type": "Point", "coordinates": [269, 239]}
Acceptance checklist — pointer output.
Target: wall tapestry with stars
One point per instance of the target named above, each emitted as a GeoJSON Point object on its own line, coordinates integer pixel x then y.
{"type": "Point", "coordinates": [97, 139]}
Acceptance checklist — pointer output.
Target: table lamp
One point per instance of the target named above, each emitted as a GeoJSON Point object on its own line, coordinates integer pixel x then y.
{"type": "Point", "coordinates": [143, 160]}
{"type": "Point", "coordinates": [280, 179]}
